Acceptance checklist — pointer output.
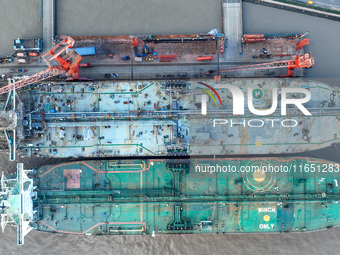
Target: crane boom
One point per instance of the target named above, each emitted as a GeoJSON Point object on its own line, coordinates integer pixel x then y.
{"type": "Point", "coordinates": [305, 60]}
{"type": "Point", "coordinates": [68, 62]}
{"type": "Point", "coordinates": [43, 75]}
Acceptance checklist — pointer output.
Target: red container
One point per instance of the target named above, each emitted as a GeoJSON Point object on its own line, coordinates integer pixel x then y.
{"type": "Point", "coordinates": [167, 56]}
{"type": "Point", "coordinates": [204, 58]}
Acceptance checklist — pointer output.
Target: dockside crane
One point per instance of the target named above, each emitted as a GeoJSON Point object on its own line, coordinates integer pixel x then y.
{"type": "Point", "coordinates": [300, 61]}
{"type": "Point", "coordinates": [60, 59]}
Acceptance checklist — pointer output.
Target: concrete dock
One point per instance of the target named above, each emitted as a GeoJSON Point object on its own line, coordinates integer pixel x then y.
{"type": "Point", "coordinates": [232, 21]}
{"type": "Point", "coordinates": [232, 27]}
{"type": "Point", "coordinates": [48, 23]}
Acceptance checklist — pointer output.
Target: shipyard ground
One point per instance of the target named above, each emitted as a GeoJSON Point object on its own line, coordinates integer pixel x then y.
{"type": "Point", "coordinates": [279, 47]}
{"type": "Point", "coordinates": [226, 49]}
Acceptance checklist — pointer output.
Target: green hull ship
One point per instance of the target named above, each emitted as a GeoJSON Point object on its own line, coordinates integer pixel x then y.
{"type": "Point", "coordinates": [169, 196]}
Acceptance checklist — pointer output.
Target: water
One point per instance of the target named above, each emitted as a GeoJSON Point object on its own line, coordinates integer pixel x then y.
{"type": "Point", "coordinates": [18, 19]}
{"type": "Point", "coordinates": [324, 242]}
{"type": "Point", "coordinates": [175, 17]}
{"type": "Point", "coordinates": [324, 37]}
{"type": "Point", "coordinates": [126, 17]}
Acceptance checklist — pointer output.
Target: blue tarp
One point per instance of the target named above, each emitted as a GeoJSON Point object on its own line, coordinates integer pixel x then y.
{"type": "Point", "coordinates": [85, 51]}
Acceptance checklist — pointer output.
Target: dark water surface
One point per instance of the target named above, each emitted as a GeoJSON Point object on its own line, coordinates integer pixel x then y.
{"type": "Point", "coordinates": [85, 17]}
{"type": "Point", "coordinates": [128, 17]}
{"type": "Point", "coordinates": [324, 37]}
{"type": "Point", "coordinates": [18, 19]}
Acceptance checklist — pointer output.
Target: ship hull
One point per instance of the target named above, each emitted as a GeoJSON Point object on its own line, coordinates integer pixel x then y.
{"type": "Point", "coordinates": [196, 196]}
{"type": "Point", "coordinates": [166, 118]}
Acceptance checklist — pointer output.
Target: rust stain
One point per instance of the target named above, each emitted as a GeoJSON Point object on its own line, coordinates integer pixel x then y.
{"type": "Point", "coordinates": [73, 178]}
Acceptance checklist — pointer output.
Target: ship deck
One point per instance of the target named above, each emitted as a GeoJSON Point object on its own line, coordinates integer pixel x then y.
{"type": "Point", "coordinates": [167, 197]}
{"type": "Point", "coordinates": [145, 118]}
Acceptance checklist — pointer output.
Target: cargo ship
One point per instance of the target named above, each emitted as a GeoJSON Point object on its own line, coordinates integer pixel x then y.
{"type": "Point", "coordinates": [172, 196]}
{"type": "Point", "coordinates": [168, 118]}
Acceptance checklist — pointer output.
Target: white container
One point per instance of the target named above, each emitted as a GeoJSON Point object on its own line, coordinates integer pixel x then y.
{"type": "Point", "coordinates": [22, 54]}
{"type": "Point", "coordinates": [22, 60]}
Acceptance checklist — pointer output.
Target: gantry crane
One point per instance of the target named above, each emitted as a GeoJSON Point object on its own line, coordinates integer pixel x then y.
{"type": "Point", "coordinates": [67, 60]}
{"type": "Point", "coordinates": [302, 61]}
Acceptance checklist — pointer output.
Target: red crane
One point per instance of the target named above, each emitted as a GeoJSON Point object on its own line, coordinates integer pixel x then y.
{"type": "Point", "coordinates": [67, 60]}
{"type": "Point", "coordinates": [75, 72]}
{"type": "Point", "coordinates": [302, 43]}
{"type": "Point", "coordinates": [302, 61]}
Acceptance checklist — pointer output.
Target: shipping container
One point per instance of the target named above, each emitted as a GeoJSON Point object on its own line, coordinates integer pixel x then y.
{"type": "Point", "coordinates": [22, 54]}
{"type": "Point", "coordinates": [253, 35]}
{"type": "Point", "coordinates": [33, 54]}
{"type": "Point", "coordinates": [85, 64]}
{"type": "Point", "coordinates": [253, 40]}
{"type": "Point", "coordinates": [22, 60]}
{"type": "Point", "coordinates": [167, 56]}
{"type": "Point", "coordinates": [208, 58]}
